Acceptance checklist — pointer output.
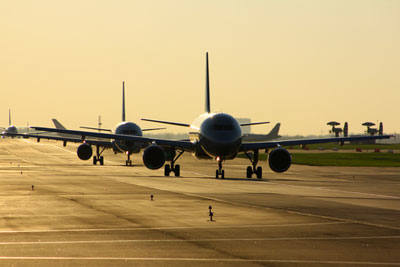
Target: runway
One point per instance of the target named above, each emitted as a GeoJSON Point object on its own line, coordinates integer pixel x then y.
{"type": "Point", "coordinates": [78, 213]}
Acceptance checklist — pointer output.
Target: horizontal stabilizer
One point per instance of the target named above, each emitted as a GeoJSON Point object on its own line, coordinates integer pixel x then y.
{"type": "Point", "coordinates": [94, 128]}
{"type": "Point", "coordinates": [254, 123]}
{"type": "Point", "coordinates": [153, 129]}
{"type": "Point", "coordinates": [168, 122]}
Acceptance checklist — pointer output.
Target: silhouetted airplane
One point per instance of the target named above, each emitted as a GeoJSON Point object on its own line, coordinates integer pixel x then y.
{"type": "Point", "coordinates": [85, 151]}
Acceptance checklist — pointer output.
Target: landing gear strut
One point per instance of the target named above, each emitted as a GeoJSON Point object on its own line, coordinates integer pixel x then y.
{"type": "Point", "coordinates": [219, 172]}
{"type": "Point", "coordinates": [253, 169]}
{"type": "Point", "coordinates": [98, 158]}
{"type": "Point", "coordinates": [173, 168]}
{"type": "Point", "coordinates": [128, 162]}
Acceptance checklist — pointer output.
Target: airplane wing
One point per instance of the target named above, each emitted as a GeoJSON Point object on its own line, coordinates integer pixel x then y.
{"type": "Point", "coordinates": [273, 144]}
{"type": "Point", "coordinates": [184, 145]}
{"type": "Point", "coordinates": [102, 143]}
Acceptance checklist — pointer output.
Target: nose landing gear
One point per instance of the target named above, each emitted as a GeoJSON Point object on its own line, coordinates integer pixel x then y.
{"type": "Point", "coordinates": [128, 162]}
{"type": "Point", "coordinates": [98, 157]}
{"type": "Point", "coordinates": [253, 169]}
{"type": "Point", "coordinates": [219, 172]}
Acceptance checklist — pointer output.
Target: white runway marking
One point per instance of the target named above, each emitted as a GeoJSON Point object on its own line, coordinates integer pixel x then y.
{"type": "Point", "coordinates": [367, 195]}
{"type": "Point", "coordinates": [167, 228]}
{"type": "Point", "coordinates": [296, 212]}
{"type": "Point", "coordinates": [206, 260]}
{"type": "Point", "coordinates": [197, 240]}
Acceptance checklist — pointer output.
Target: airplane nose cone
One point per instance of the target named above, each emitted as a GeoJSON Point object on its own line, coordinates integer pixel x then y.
{"type": "Point", "coordinates": [221, 135]}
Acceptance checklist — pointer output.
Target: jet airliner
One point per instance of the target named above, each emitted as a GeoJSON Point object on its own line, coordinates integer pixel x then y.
{"type": "Point", "coordinates": [85, 150]}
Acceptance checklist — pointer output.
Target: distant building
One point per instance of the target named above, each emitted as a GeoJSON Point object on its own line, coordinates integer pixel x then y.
{"type": "Point", "coordinates": [245, 129]}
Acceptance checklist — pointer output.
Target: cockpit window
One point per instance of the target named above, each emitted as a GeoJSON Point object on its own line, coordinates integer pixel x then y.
{"type": "Point", "coordinates": [223, 127]}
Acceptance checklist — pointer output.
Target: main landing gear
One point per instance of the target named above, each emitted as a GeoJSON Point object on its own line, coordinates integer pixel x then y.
{"type": "Point", "coordinates": [253, 169]}
{"type": "Point", "coordinates": [173, 168]}
{"type": "Point", "coordinates": [98, 158]}
{"type": "Point", "coordinates": [128, 162]}
{"type": "Point", "coordinates": [219, 172]}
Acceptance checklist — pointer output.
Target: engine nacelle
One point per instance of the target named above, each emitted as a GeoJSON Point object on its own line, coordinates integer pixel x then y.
{"type": "Point", "coordinates": [279, 160]}
{"type": "Point", "coordinates": [84, 151]}
{"type": "Point", "coordinates": [154, 157]}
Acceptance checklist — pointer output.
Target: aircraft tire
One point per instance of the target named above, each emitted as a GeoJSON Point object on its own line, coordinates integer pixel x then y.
{"type": "Point", "coordinates": [94, 160]}
{"type": "Point", "coordinates": [259, 172]}
{"type": "Point", "coordinates": [223, 174]}
{"type": "Point", "coordinates": [177, 170]}
{"type": "Point", "coordinates": [249, 172]}
{"type": "Point", "coordinates": [101, 159]}
{"type": "Point", "coordinates": [167, 170]}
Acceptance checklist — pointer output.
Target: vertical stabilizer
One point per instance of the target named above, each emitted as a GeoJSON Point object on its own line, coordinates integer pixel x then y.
{"type": "Point", "coordinates": [346, 129]}
{"type": "Point", "coordinates": [207, 106]}
{"type": "Point", "coordinates": [9, 117]}
{"type": "Point", "coordinates": [274, 133]}
{"type": "Point", "coordinates": [58, 124]}
{"type": "Point", "coordinates": [123, 101]}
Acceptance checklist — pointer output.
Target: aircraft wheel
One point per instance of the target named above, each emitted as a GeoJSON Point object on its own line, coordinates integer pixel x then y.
{"type": "Point", "coordinates": [223, 174]}
{"type": "Point", "coordinates": [216, 174]}
{"type": "Point", "coordinates": [259, 172]}
{"type": "Point", "coordinates": [167, 170]}
{"type": "Point", "coordinates": [249, 171]}
{"type": "Point", "coordinates": [101, 159]}
{"type": "Point", "coordinates": [94, 160]}
{"type": "Point", "coordinates": [177, 170]}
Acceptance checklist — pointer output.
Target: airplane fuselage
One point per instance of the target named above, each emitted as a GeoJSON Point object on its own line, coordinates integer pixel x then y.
{"type": "Point", "coordinates": [128, 128]}
{"type": "Point", "coordinates": [217, 135]}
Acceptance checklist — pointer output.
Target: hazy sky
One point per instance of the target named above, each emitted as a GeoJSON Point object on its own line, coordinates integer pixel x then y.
{"type": "Point", "coordinates": [301, 63]}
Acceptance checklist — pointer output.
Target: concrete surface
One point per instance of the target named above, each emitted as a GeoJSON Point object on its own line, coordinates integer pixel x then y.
{"type": "Point", "coordinates": [80, 214]}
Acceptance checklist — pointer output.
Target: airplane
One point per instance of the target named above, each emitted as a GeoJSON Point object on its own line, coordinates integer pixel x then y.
{"type": "Point", "coordinates": [273, 134]}
{"type": "Point", "coordinates": [212, 136]}
{"type": "Point", "coordinates": [337, 131]}
{"type": "Point", "coordinates": [373, 131]}
{"type": "Point", "coordinates": [12, 129]}
{"type": "Point", "coordinates": [85, 150]}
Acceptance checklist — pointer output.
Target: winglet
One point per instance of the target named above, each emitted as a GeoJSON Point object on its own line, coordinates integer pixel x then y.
{"type": "Point", "coordinates": [207, 107]}
{"type": "Point", "coordinates": [123, 101]}
{"type": "Point", "coordinates": [9, 117]}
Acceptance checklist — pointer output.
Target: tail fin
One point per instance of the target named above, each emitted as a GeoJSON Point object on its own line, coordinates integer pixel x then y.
{"type": "Point", "coordinates": [275, 131]}
{"type": "Point", "coordinates": [123, 101]}
{"type": "Point", "coordinates": [207, 107]}
{"type": "Point", "coordinates": [381, 128]}
{"type": "Point", "coordinates": [58, 125]}
{"type": "Point", "coordinates": [346, 129]}
{"type": "Point", "coordinates": [9, 117]}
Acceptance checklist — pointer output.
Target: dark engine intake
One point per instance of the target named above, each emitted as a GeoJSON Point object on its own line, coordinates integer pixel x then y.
{"type": "Point", "coordinates": [279, 160]}
{"type": "Point", "coordinates": [153, 157]}
{"type": "Point", "coordinates": [84, 151]}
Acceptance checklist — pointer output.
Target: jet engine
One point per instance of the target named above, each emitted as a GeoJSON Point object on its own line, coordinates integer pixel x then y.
{"type": "Point", "coordinates": [279, 160]}
{"type": "Point", "coordinates": [84, 151]}
{"type": "Point", "coordinates": [154, 157]}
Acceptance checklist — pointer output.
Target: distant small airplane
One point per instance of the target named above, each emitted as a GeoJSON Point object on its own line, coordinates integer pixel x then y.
{"type": "Point", "coordinates": [212, 136]}
{"type": "Point", "coordinates": [273, 134]}
{"type": "Point", "coordinates": [12, 129]}
{"type": "Point", "coordinates": [373, 131]}
{"type": "Point", "coordinates": [337, 131]}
